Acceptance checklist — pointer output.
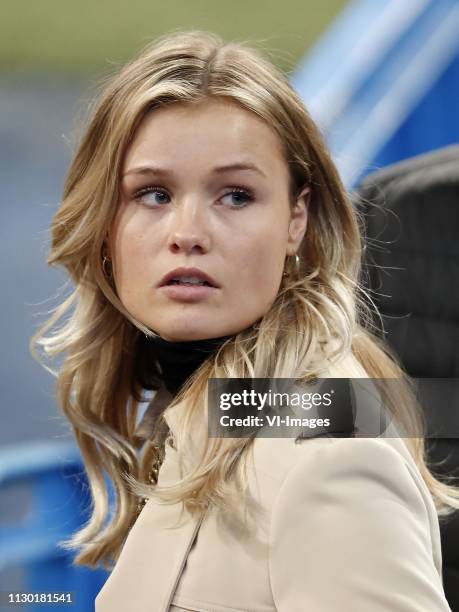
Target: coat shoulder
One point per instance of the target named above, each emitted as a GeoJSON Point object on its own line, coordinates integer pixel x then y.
{"type": "Point", "coordinates": [360, 504]}
{"type": "Point", "coordinates": [352, 466]}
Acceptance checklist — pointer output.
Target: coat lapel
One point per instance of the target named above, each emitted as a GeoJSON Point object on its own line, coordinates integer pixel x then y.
{"type": "Point", "coordinates": [152, 560]}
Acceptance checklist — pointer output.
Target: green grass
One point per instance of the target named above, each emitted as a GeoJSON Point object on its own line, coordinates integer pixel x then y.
{"type": "Point", "coordinates": [81, 37]}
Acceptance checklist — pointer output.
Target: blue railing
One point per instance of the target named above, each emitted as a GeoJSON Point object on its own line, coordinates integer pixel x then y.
{"type": "Point", "coordinates": [383, 83]}
{"type": "Point", "coordinates": [43, 499]}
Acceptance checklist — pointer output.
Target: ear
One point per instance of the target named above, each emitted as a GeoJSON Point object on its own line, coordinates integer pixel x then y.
{"type": "Point", "coordinates": [298, 221]}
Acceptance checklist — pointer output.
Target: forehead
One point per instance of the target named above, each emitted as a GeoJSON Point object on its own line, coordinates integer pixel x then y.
{"type": "Point", "coordinates": [215, 129]}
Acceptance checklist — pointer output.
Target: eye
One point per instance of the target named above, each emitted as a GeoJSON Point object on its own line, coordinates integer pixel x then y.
{"type": "Point", "coordinates": [242, 197]}
{"type": "Point", "coordinates": [143, 196]}
{"type": "Point", "coordinates": [239, 196]}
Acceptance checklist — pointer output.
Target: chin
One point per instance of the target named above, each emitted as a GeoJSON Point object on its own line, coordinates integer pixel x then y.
{"type": "Point", "coordinates": [184, 333]}
{"type": "Point", "coordinates": [183, 327]}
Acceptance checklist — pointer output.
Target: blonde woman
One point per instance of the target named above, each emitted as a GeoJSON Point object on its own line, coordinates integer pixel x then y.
{"type": "Point", "coordinates": [208, 235]}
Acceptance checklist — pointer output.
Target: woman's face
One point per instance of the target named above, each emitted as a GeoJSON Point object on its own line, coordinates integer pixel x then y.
{"type": "Point", "coordinates": [203, 186]}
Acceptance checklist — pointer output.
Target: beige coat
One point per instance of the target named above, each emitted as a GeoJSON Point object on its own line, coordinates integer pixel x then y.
{"type": "Point", "coordinates": [348, 525]}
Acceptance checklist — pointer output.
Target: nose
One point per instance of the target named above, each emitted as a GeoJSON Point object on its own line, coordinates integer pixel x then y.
{"type": "Point", "coordinates": [189, 231]}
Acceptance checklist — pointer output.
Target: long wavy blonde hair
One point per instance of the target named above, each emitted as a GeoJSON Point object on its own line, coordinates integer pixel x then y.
{"type": "Point", "coordinates": [319, 319]}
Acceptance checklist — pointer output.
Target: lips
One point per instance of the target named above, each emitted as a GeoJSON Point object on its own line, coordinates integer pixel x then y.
{"type": "Point", "coordinates": [187, 273]}
{"type": "Point", "coordinates": [188, 293]}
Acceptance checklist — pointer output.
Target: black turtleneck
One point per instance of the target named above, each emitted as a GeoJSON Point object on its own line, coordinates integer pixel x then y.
{"type": "Point", "coordinates": [177, 360]}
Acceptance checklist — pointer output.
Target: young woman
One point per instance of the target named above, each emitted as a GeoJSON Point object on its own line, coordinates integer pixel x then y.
{"type": "Point", "coordinates": [208, 235]}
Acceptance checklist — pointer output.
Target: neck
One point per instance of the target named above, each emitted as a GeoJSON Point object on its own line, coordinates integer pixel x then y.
{"type": "Point", "coordinates": [173, 362]}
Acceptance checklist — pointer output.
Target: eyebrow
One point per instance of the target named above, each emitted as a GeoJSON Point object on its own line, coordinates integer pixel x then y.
{"type": "Point", "coordinates": [218, 169]}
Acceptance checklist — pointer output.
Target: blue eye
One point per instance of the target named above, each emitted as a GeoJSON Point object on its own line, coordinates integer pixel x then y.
{"type": "Point", "coordinates": [244, 196]}
{"type": "Point", "coordinates": [240, 196]}
{"type": "Point", "coordinates": [140, 196]}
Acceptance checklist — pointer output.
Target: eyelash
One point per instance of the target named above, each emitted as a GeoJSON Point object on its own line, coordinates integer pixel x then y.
{"type": "Point", "coordinates": [233, 190]}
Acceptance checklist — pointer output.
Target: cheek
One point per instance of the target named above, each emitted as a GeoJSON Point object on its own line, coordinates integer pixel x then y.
{"type": "Point", "coordinates": [264, 265]}
{"type": "Point", "coordinates": [130, 253]}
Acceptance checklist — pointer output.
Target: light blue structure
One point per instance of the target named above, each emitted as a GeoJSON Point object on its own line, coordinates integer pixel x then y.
{"type": "Point", "coordinates": [43, 499]}
{"type": "Point", "coordinates": [383, 83]}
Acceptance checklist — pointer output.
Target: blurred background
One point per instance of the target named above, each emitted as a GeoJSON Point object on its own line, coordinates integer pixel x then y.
{"type": "Point", "coordinates": [380, 78]}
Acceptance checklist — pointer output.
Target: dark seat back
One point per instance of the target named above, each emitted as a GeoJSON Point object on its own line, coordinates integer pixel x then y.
{"type": "Point", "coordinates": [412, 269]}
